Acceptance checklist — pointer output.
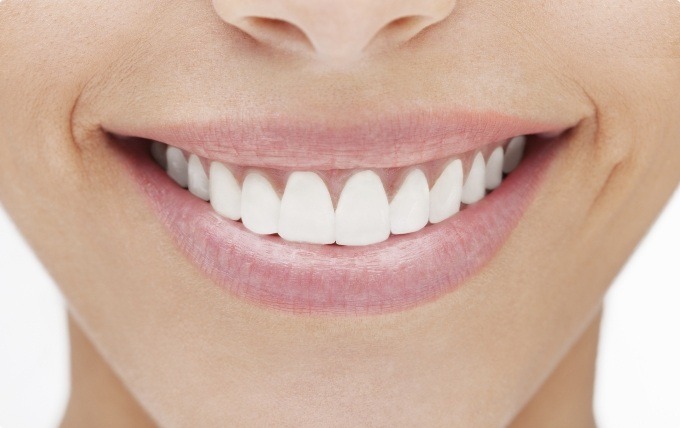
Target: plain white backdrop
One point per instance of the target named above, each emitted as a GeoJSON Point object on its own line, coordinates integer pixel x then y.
{"type": "Point", "coordinates": [638, 382]}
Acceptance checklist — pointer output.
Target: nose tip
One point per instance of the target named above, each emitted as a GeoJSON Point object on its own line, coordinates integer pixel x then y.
{"type": "Point", "coordinates": [333, 28]}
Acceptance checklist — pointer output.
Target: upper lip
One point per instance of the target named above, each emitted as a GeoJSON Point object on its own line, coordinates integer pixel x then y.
{"type": "Point", "coordinates": [282, 142]}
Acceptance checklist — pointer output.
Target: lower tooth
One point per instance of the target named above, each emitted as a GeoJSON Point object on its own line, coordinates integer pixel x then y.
{"type": "Point", "coordinates": [198, 180]}
{"type": "Point", "coordinates": [307, 210]}
{"type": "Point", "coordinates": [514, 153]}
{"type": "Point", "coordinates": [474, 188]}
{"type": "Point", "coordinates": [177, 166]}
{"type": "Point", "coordinates": [260, 205]}
{"type": "Point", "coordinates": [158, 153]}
{"type": "Point", "coordinates": [363, 213]}
{"type": "Point", "coordinates": [494, 169]}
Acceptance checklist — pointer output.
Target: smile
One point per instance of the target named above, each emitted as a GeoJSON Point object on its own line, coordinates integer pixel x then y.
{"type": "Point", "coordinates": [364, 227]}
{"type": "Point", "coordinates": [369, 206]}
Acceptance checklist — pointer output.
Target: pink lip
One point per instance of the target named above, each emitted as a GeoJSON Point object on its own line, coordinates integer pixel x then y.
{"type": "Point", "coordinates": [400, 273]}
{"type": "Point", "coordinates": [394, 141]}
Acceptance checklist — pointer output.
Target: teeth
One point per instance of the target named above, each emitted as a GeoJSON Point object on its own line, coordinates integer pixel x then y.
{"type": "Point", "coordinates": [177, 166]}
{"type": "Point", "coordinates": [307, 210]}
{"type": "Point", "coordinates": [445, 196]}
{"type": "Point", "coordinates": [363, 213]}
{"type": "Point", "coordinates": [225, 193]}
{"type": "Point", "coordinates": [198, 180]}
{"type": "Point", "coordinates": [474, 188]}
{"type": "Point", "coordinates": [410, 207]}
{"type": "Point", "coordinates": [158, 153]}
{"type": "Point", "coordinates": [494, 169]}
{"type": "Point", "coordinates": [260, 205]}
{"type": "Point", "coordinates": [513, 154]}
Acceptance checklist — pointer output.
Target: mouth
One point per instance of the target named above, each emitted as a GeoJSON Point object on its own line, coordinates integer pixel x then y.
{"type": "Point", "coordinates": [347, 207]}
{"type": "Point", "coordinates": [336, 224]}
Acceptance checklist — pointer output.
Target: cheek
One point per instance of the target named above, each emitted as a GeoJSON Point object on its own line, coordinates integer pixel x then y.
{"type": "Point", "coordinates": [51, 52]}
{"type": "Point", "coordinates": [630, 67]}
{"type": "Point", "coordinates": [628, 53]}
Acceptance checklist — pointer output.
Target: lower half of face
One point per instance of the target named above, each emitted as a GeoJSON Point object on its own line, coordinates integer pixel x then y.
{"type": "Point", "coordinates": [232, 220]}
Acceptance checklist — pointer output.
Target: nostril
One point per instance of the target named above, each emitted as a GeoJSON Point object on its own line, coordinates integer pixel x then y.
{"type": "Point", "coordinates": [404, 23]}
{"type": "Point", "coordinates": [332, 29]}
{"type": "Point", "coordinates": [405, 27]}
{"type": "Point", "coordinates": [277, 31]}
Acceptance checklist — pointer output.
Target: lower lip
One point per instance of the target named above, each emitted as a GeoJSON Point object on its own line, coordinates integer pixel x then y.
{"type": "Point", "coordinates": [403, 272]}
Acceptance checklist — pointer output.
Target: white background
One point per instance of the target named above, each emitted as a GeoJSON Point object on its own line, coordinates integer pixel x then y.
{"type": "Point", "coordinates": [638, 381]}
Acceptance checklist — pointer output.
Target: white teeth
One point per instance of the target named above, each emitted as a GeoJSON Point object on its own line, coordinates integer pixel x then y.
{"type": "Point", "coordinates": [363, 216]}
{"type": "Point", "coordinates": [514, 153]}
{"type": "Point", "coordinates": [494, 169]}
{"type": "Point", "coordinates": [474, 187]}
{"type": "Point", "coordinates": [225, 193]}
{"type": "Point", "coordinates": [410, 207]}
{"type": "Point", "coordinates": [177, 166]}
{"type": "Point", "coordinates": [260, 205]}
{"type": "Point", "coordinates": [446, 193]}
{"type": "Point", "coordinates": [158, 153]}
{"type": "Point", "coordinates": [198, 180]}
{"type": "Point", "coordinates": [307, 210]}
{"type": "Point", "coordinates": [363, 213]}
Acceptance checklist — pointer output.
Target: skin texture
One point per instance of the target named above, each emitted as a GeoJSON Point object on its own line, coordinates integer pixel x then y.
{"type": "Point", "coordinates": [188, 353]}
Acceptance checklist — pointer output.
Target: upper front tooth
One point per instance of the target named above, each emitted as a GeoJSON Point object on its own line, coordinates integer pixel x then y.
{"type": "Point", "coordinates": [513, 153]}
{"type": "Point", "coordinates": [363, 213]}
{"type": "Point", "coordinates": [198, 180]}
{"type": "Point", "coordinates": [307, 210]}
{"type": "Point", "coordinates": [260, 205]}
{"type": "Point", "coordinates": [177, 166]}
{"type": "Point", "coordinates": [494, 169]}
{"type": "Point", "coordinates": [225, 193]}
{"type": "Point", "coordinates": [158, 153]}
{"type": "Point", "coordinates": [410, 207]}
{"type": "Point", "coordinates": [446, 193]}
{"type": "Point", "coordinates": [474, 187]}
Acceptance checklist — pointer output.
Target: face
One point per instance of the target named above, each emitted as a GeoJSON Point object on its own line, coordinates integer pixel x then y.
{"type": "Point", "coordinates": [320, 122]}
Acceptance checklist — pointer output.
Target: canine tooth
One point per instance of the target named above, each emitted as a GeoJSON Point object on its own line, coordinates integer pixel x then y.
{"type": "Point", "coordinates": [363, 213]}
{"type": "Point", "coordinates": [177, 166]}
{"type": "Point", "coordinates": [494, 169]}
{"type": "Point", "coordinates": [513, 153]}
{"type": "Point", "coordinates": [410, 207]}
{"type": "Point", "coordinates": [260, 205]}
{"type": "Point", "coordinates": [474, 189]}
{"type": "Point", "coordinates": [446, 193]}
{"type": "Point", "coordinates": [225, 193]}
{"type": "Point", "coordinates": [307, 210]}
{"type": "Point", "coordinates": [158, 154]}
{"type": "Point", "coordinates": [198, 180]}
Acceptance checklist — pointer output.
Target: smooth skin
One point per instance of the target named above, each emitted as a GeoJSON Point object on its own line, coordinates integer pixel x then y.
{"type": "Point", "coordinates": [515, 345]}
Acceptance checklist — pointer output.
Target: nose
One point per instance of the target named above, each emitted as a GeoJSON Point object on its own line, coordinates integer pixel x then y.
{"type": "Point", "coordinates": [333, 28]}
